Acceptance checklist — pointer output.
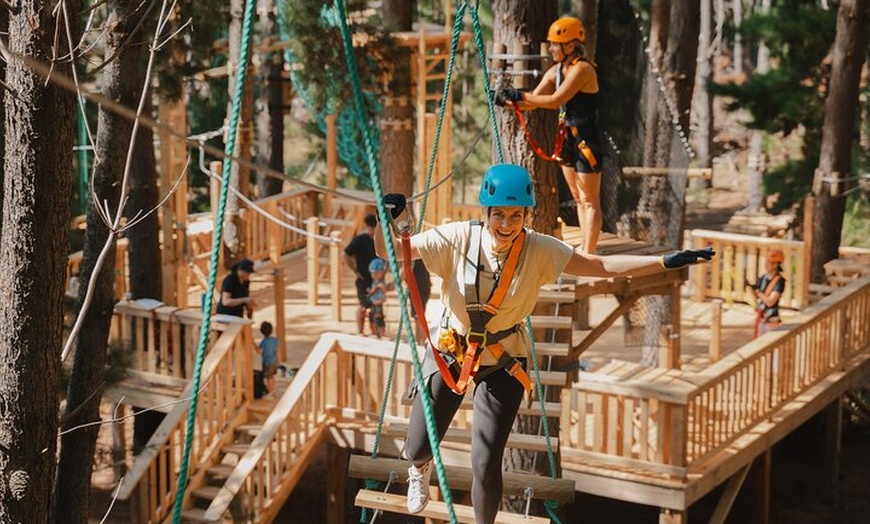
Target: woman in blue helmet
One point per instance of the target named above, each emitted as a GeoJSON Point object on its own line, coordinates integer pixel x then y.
{"type": "Point", "coordinates": [498, 257]}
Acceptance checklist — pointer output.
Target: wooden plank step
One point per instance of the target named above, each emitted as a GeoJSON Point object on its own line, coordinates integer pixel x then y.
{"type": "Point", "coordinates": [556, 297]}
{"type": "Point", "coordinates": [206, 492]}
{"type": "Point", "coordinates": [552, 349]}
{"type": "Point", "coordinates": [220, 472]}
{"type": "Point", "coordinates": [436, 510]}
{"type": "Point", "coordinates": [249, 429]}
{"type": "Point", "coordinates": [459, 478]}
{"type": "Point", "coordinates": [194, 516]}
{"type": "Point", "coordinates": [236, 449]}
{"type": "Point", "coordinates": [463, 436]}
{"type": "Point", "coordinates": [552, 322]}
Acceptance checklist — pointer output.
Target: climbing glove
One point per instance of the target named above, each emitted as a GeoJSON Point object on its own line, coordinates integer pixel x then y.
{"type": "Point", "coordinates": [396, 203]}
{"type": "Point", "coordinates": [687, 257]}
{"type": "Point", "coordinates": [508, 94]}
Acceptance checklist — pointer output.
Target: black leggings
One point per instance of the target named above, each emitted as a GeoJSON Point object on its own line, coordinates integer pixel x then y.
{"type": "Point", "coordinates": [496, 402]}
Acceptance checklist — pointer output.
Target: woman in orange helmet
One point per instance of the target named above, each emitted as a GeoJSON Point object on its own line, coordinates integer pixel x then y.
{"type": "Point", "coordinates": [768, 290]}
{"type": "Point", "coordinates": [571, 86]}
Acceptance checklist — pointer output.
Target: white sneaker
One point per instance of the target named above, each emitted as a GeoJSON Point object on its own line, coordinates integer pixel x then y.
{"type": "Point", "coordinates": [418, 487]}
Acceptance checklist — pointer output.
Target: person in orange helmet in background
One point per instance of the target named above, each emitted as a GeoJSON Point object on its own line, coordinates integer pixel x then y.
{"type": "Point", "coordinates": [768, 290]}
{"type": "Point", "coordinates": [571, 86]}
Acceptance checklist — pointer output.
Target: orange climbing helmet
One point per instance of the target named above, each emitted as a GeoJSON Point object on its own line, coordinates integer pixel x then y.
{"type": "Point", "coordinates": [566, 29]}
{"type": "Point", "coordinates": [776, 256]}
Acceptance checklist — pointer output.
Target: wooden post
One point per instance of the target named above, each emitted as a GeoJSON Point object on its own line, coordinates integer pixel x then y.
{"type": "Point", "coordinates": [336, 482]}
{"type": "Point", "coordinates": [313, 227]}
{"type": "Point", "coordinates": [520, 49]}
{"type": "Point", "coordinates": [715, 350]}
{"type": "Point", "coordinates": [672, 516]}
{"type": "Point", "coordinates": [759, 489]}
{"type": "Point", "coordinates": [119, 443]}
{"type": "Point", "coordinates": [581, 314]}
{"type": "Point", "coordinates": [173, 156]}
{"type": "Point", "coordinates": [807, 259]}
{"type": "Point", "coordinates": [833, 432]}
{"type": "Point", "coordinates": [335, 274]}
{"type": "Point", "coordinates": [331, 162]}
{"type": "Point", "coordinates": [274, 236]}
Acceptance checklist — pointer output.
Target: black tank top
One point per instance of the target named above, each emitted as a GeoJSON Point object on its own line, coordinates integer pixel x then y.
{"type": "Point", "coordinates": [582, 109]}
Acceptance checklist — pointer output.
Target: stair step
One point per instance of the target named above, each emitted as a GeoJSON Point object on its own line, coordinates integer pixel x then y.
{"type": "Point", "coordinates": [436, 510]}
{"type": "Point", "coordinates": [194, 516]}
{"type": "Point", "coordinates": [251, 430]}
{"type": "Point", "coordinates": [220, 472]}
{"type": "Point", "coordinates": [556, 297]}
{"type": "Point", "coordinates": [206, 492]}
{"type": "Point", "coordinates": [463, 436]}
{"type": "Point", "coordinates": [552, 349]}
{"type": "Point", "coordinates": [552, 322]}
{"type": "Point", "coordinates": [236, 449]}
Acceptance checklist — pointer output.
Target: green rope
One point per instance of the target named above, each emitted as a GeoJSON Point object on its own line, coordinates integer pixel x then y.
{"type": "Point", "coordinates": [481, 55]}
{"type": "Point", "coordinates": [454, 46]}
{"type": "Point", "coordinates": [229, 148]}
{"type": "Point", "coordinates": [391, 251]}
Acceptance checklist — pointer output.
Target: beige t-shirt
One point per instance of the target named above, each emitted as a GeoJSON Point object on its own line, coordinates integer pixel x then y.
{"type": "Point", "coordinates": [543, 258]}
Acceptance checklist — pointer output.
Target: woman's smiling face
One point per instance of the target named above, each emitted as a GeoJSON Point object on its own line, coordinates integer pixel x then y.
{"type": "Point", "coordinates": [505, 223]}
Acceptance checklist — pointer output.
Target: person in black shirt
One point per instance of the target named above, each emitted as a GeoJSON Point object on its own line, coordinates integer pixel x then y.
{"type": "Point", "coordinates": [235, 299]}
{"type": "Point", "coordinates": [357, 255]}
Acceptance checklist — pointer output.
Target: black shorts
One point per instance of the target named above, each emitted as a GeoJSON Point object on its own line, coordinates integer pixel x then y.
{"type": "Point", "coordinates": [362, 291]}
{"type": "Point", "coordinates": [571, 155]}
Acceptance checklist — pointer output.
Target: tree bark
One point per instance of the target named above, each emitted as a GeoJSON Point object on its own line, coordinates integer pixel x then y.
{"type": "Point", "coordinates": [756, 159]}
{"type": "Point", "coordinates": [270, 108]}
{"type": "Point", "coordinates": [588, 13]}
{"type": "Point", "coordinates": [121, 81]}
{"type": "Point", "coordinates": [703, 101]}
{"type": "Point", "coordinates": [835, 161]}
{"type": "Point", "coordinates": [143, 249]}
{"type": "Point", "coordinates": [234, 243]}
{"type": "Point", "coordinates": [39, 137]}
{"type": "Point", "coordinates": [522, 22]}
{"type": "Point", "coordinates": [396, 118]}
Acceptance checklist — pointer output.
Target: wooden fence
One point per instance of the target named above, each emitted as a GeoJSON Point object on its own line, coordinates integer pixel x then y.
{"type": "Point", "coordinates": [226, 386]}
{"type": "Point", "coordinates": [667, 421]}
{"type": "Point", "coordinates": [740, 258]}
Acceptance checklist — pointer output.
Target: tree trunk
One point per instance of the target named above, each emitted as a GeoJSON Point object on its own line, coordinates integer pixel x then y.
{"type": "Point", "coordinates": [737, 7]}
{"type": "Point", "coordinates": [270, 108]}
{"type": "Point", "coordinates": [121, 81]}
{"type": "Point", "coordinates": [835, 161]}
{"type": "Point", "coordinates": [39, 137]}
{"type": "Point", "coordinates": [756, 157]}
{"type": "Point", "coordinates": [587, 12]}
{"type": "Point", "coordinates": [234, 242]}
{"type": "Point", "coordinates": [703, 102]}
{"type": "Point", "coordinates": [523, 22]}
{"type": "Point", "coordinates": [396, 118]}
{"type": "Point", "coordinates": [143, 249]}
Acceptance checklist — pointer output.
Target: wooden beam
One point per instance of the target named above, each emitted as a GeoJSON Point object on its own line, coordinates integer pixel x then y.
{"type": "Point", "coordinates": [437, 510]}
{"type": "Point", "coordinates": [599, 330]}
{"type": "Point", "coordinates": [336, 483]}
{"type": "Point", "coordinates": [459, 478]}
{"type": "Point", "coordinates": [728, 496]}
{"type": "Point", "coordinates": [833, 433]}
{"type": "Point", "coordinates": [705, 173]}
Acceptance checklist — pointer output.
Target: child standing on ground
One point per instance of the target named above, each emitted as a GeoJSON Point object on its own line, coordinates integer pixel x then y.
{"type": "Point", "coordinates": [269, 350]}
{"type": "Point", "coordinates": [377, 296]}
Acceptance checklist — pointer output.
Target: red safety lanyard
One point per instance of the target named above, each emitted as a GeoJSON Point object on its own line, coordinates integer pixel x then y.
{"type": "Point", "coordinates": [560, 138]}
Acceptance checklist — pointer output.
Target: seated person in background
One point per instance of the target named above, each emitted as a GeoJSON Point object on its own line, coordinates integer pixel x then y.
{"type": "Point", "coordinates": [377, 296]}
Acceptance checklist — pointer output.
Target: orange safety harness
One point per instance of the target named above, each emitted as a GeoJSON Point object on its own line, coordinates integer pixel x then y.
{"type": "Point", "coordinates": [759, 314]}
{"type": "Point", "coordinates": [477, 337]}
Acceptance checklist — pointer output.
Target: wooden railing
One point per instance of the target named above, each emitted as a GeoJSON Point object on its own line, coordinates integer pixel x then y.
{"type": "Point", "coordinates": [342, 376]}
{"type": "Point", "coordinates": [742, 257]}
{"type": "Point", "coordinates": [226, 386]}
{"type": "Point", "coordinates": [669, 421]}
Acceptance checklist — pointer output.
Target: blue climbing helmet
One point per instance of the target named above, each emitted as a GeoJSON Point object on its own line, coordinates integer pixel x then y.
{"type": "Point", "coordinates": [507, 185]}
{"type": "Point", "coordinates": [377, 264]}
